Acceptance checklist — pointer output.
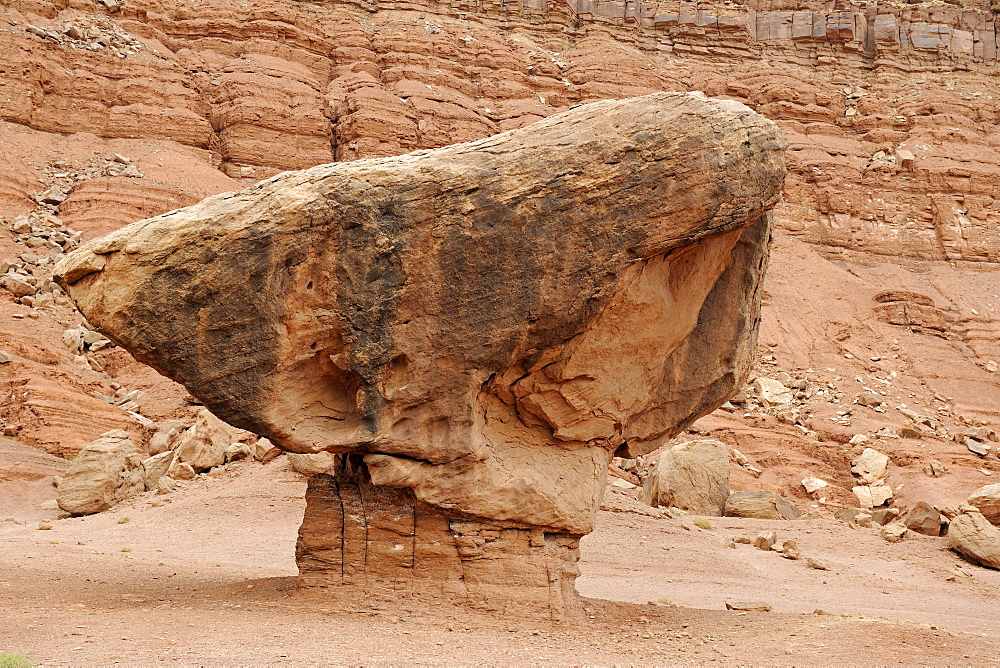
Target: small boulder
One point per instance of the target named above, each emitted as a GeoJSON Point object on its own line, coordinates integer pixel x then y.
{"type": "Point", "coordinates": [156, 467]}
{"type": "Point", "coordinates": [772, 392]}
{"type": "Point", "coordinates": [166, 484]}
{"type": "Point", "coordinates": [181, 470]}
{"type": "Point", "coordinates": [977, 433]}
{"type": "Point", "coordinates": [237, 451]}
{"type": "Point", "coordinates": [894, 532]}
{"type": "Point", "coordinates": [869, 399]}
{"type": "Point", "coordinates": [883, 516]}
{"type": "Point", "coordinates": [872, 467]}
{"type": "Point", "coordinates": [976, 447]}
{"type": "Point", "coordinates": [692, 476]}
{"type": "Point", "coordinates": [925, 519]}
{"type": "Point", "coordinates": [818, 564]}
{"type": "Point", "coordinates": [748, 606]}
{"type": "Point", "coordinates": [165, 436]}
{"type": "Point", "coordinates": [319, 462]}
{"type": "Point", "coordinates": [203, 446]}
{"type": "Point", "coordinates": [971, 535]}
{"type": "Point", "coordinates": [106, 472]}
{"type": "Point", "coordinates": [790, 550]}
{"type": "Point", "coordinates": [760, 505]}
{"type": "Point", "coordinates": [813, 484]}
{"type": "Point", "coordinates": [987, 500]}
{"type": "Point", "coordinates": [874, 496]}
{"type": "Point", "coordinates": [765, 540]}
{"type": "Point", "coordinates": [265, 451]}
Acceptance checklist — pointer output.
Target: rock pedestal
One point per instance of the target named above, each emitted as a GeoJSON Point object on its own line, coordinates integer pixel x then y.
{"type": "Point", "coordinates": [480, 328]}
{"type": "Point", "coordinates": [364, 542]}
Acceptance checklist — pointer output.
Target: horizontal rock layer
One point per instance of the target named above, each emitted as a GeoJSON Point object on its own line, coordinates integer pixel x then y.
{"type": "Point", "coordinates": [365, 544]}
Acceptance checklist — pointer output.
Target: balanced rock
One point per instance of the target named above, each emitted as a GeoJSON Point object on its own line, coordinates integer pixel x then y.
{"type": "Point", "coordinates": [481, 327]}
{"type": "Point", "coordinates": [204, 444]}
{"type": "Point", "coordinates": [106, 472]}
{"type": "Point", "coordinates": [692, 476]}
{"type": "Point", "coordinates": [987, 500]}
{"type": "Point", "coordinates": [971, 535]}
{"type": "Point", "coordinates": [761, 505]}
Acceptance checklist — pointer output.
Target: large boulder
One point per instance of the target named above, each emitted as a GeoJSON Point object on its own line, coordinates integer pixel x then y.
{"type": "Point", "coordinates": [971, 535]}
{"type": "Point", "coordinates": [692, 476]}
{"type": "Point", "coordinates": [203, 445]}
{"type": "Point", "coordinates": [987, 500]}
{"type": "Point", "coordinates": [105, 473]}
{"type": "Point", "coordinates": [481, 326]}
{"type": "Point", "coordinates": [761, 505]}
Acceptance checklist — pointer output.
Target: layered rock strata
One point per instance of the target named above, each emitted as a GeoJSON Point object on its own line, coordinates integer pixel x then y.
{"type": "Point", "coordinates": [369, 541]}
{"type": "Point", "coordinates": [485, 325]}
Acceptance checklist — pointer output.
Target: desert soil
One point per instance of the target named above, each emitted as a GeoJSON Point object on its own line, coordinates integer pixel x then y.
{"type": "Point", "coordinates": [208, 579]}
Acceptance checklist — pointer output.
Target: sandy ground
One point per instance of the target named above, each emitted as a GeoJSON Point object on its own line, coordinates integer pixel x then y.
{"type": "Point", "coordinates": [208, 580]}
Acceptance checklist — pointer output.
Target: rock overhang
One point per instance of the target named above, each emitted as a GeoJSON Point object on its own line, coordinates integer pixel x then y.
{"type": "Point", "coordinates": [487, 322]}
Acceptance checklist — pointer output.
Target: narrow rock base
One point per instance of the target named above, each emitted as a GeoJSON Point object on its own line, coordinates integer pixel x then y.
{"type": "Point", "coordinates": [374, 544]}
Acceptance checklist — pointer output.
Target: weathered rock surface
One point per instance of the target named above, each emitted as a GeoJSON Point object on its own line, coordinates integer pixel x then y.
{"type": "Point", "coordinates": [485, 324]}
{"type": "Point", "coordinates": [692, 476]}
{"type": "Point", "coordinates": [760, 504]}
{"type": "Point", "coordinates": [106, 472]}
{"type": "Point", "coordinates": [987, 500]}
{"type": "Point", "coordinates": [970, 534]}
{"type": "Point", "coordinates": [402, 307]}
